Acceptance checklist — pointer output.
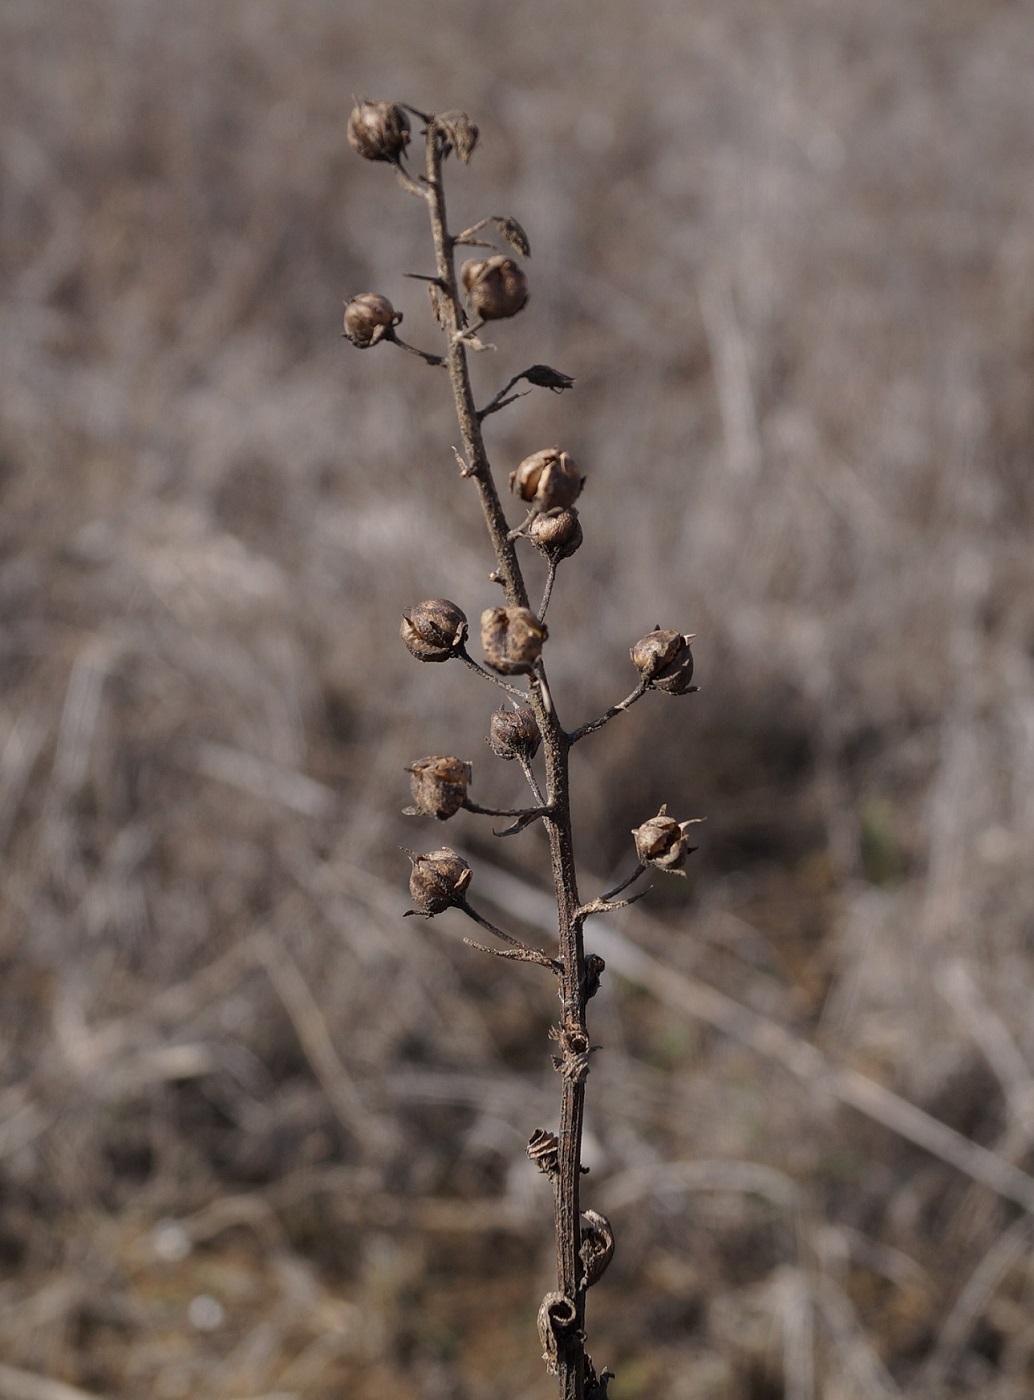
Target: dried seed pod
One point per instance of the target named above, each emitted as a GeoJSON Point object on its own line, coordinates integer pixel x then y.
{"type": "Point", "coordinates": [496, 286]}
{"type": "Point", "coordinates": [543, 1149]}
{"type": "Point", "coordinates": [434, 630]}
{"type": "Point", "coordinates": [512, 639]}
{"type": "Point", "coordinates": [378, 130]}
{"type": "Point", "coordinates": [369, 318]}
{"type": "Point", "coordinates": [557, 535]}
{"type": "Point", "coordinates": [439, 786]}
{"type": "Point", "coordinates": [438, 880]}
{"type": "Point", "coordinates": [597, 1246]}
{"type": "Point", "coordinates": [662, 841]}
{"type": "Point", "coordinates": [549, 480]}
{"type": "Point", "coordinates": [514, 733]}
{"type": "Point", "coordinates": [665, 660]}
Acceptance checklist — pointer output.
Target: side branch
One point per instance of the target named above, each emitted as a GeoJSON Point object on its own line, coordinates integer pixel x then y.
{"type": "Point", "coordinates": [625, 704]}
{"type": "Point", "coordinates": [522, 952]}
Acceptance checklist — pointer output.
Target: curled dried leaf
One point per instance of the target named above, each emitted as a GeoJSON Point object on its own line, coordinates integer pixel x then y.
{"type": "Point", "coordinates": [557, 1323]}
{"type": "Point", "coordinates": [461, 133]}
{"type": "Point", "coordinates": [513, 234]}
{"type": "Point", "coordinates": [594, 970]}
{"type": "Point", "coordinates": [544, 1149]}
{"type": "Point", "coordinates": [546, 377]}
{"type": "Point", "coordinates": [597, 1246]}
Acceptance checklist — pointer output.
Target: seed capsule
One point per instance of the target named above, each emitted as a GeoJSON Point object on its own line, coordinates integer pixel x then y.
{"type": "Point", "coordinates": [557, 535]}
{"type": "Point", "coordinates": [662, 841]}
{"type": "Point", "coordinates": [434, 630]}
{"type": "Point", "coordinates": [378, 130]}
{"type": "Point", "coordinates": [514, 733]}
{"type": "Point", "coordinates": [512, 639]}
{"type": "Point", "coordinates": [438, 880]}
{"type": "Point", "coordinates": [665, 660]}
{"type": "Point", "coordinates": [439, 786]}
{"type": "Point", "coordinates": [496, 286]}
{"type": "Point", "coordinates": [549, 480]}
{"type": "Point", "coordinates": [369, 318]}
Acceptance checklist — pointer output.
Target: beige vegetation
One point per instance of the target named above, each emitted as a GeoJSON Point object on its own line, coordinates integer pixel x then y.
{"type": "Point", "coordinates": [249, 1146]}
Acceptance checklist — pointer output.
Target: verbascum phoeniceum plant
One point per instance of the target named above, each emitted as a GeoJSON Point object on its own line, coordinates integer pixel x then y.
{"type": "Point", "coordinates": [527, 728]}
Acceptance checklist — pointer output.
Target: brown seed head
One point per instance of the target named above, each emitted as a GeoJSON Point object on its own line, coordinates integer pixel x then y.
{"type": "Point", "coordinates": [514, 733]}
{"type": "Point", "coordinates": [496, 286]}
{"type": "Point", "coordinates": [665, 660]}
{"type": "Point", "coordinates": [662, 841]}
{"type": "Point", "coordinates": [434, 630]}
{"type": "Point", "coordinates": [378, 130]}
{"type": "Point", "coordinates": [368, 319]}
{"type": "Point", "coordinates": [512, 639]}
{"type": "Point", "coordinates": [438, 880]}
{"type": "Point", "coordinates": [548, 479]}
{"type": "Point", "coordinates": [558, 535]}
{"type": "Point", "coordinates": [439, 786]}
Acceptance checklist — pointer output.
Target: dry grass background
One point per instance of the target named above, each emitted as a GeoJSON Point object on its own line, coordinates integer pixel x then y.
{"type": "Point", "coordinates": [257, 1136]}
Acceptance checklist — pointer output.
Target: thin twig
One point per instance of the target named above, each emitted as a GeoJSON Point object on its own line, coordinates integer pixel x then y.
{"type": "Point", "coordinates": [410, 185]}
{"type": "Point", "coordinates": [513, 690]}
{"type": "Point", "coordinates": [527, 953]}
{"type": "Point", "coordinates": [547, 592]}
{"type": "Point", "coordinates": [610, 894]}
{"type": "Point", "coordinates": [422, 354]}
{"type": "Point", "coordinates": [529, 813]}
{"type": "Point", "coordinates": [497, 401]}
{"type": "Point", "coordinates": [619, 709]}
{"type": "Point", "coordinates": [533, 782]}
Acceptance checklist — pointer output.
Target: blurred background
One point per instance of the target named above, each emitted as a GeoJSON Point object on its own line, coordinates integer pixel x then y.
{"type": "Point", "coordinates": [260, 1137]}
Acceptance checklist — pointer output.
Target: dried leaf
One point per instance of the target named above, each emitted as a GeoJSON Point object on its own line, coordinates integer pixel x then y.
{"type": "Point", "coordinates": [435, 297]}
{"type": "Point", "coordinates": [511, 230]}
{"type": "Point", "coordinates": [462, 133]}
{"type": "Point", "coordinates": [546, 377]}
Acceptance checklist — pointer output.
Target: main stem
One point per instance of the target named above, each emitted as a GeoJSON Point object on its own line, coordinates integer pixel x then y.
{"type": "Point", "coordinates": [556, 748]}
{"type": "Point", "coordinates": [459, 376]}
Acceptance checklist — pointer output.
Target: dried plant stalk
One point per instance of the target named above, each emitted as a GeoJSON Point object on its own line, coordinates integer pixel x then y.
{"type": "Point", "coordinates": [513, 639]}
